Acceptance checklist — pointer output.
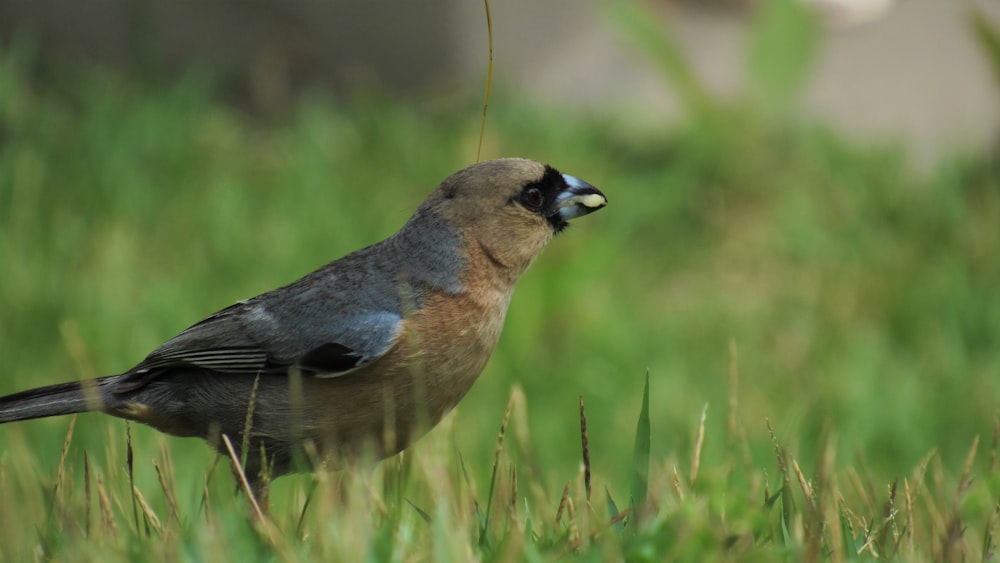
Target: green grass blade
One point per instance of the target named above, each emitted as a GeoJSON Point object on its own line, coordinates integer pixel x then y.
{"type": "Point", "coordinates": [529, 532]}
{"type": "Point", "coordinates": [651, 36]}
{"type": "Point", "coordinates": [421, 512]}
{"type": "Point", "coordinates": [613, 512]}
{"type": "Point", "coordinates": [782, 48]}
{"type": "Point", "coordinates": [988, 35]}
{"type": "Point", "coordinates": [640, 460]}
{"type": "Point", "coordinates": [481, 517]}
{"type": "Point", "coordinates": [851, 547]}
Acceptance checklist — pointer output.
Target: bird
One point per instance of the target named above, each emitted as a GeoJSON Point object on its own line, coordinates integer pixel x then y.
{"type": "Point", "coordinates": [364, 354]}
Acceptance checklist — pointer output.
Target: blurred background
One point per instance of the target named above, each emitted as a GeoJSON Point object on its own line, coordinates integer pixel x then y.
{"type": "Point", "coordinates": [804, 217]}
{"type": "Point", "coordinates": [906, 69]}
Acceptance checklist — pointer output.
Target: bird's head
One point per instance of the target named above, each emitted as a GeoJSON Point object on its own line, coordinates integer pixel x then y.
{"type": "Point", "coordinates": [509, 208]}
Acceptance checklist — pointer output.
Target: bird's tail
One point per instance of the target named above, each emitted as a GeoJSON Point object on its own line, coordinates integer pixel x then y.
{"type": "Point", "coordinates": [54, 400]}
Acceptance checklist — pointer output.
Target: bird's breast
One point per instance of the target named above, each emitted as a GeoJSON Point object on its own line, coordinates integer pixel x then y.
{"type": "Point", "coordinates": [451, 338]}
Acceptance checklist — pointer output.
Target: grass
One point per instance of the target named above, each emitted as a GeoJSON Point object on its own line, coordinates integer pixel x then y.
{"type": "Point", "coordinates": [818, 324]}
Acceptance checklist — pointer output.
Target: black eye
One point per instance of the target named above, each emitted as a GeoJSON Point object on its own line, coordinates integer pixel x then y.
{"type": "Point", "coordinates": [532, 197]}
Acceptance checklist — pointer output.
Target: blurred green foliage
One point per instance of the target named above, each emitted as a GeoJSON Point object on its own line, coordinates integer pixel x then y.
{"type": "Point", "coordinates": [988, 34]}
{"type": "Point", "coordinates": [781, 46]}
{"type": "Point", "coordinates": [860, 297]}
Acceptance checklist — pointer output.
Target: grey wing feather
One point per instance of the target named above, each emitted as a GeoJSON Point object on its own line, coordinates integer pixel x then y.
{"type": "Point", "coordinates": [325, 324]}
{"type": "Point", "coordinates": [249, 340]}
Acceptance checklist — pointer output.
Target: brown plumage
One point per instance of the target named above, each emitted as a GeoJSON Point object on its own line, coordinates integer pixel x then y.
{"type": "Point", "coordinates": [370, 350]}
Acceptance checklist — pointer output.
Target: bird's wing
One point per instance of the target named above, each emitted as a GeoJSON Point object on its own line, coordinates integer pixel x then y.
{"type": "Point", "coordinates": [232, 343]}
{"type": "Point", "coordinates": [312, 330]}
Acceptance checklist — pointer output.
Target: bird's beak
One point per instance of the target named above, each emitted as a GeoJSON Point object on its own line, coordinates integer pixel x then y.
{"type": "Point", "coordinates": [579, 199]}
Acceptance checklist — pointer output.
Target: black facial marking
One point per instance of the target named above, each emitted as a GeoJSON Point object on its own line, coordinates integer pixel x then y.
{"type": "Point", "coordinates": [540, 197]}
